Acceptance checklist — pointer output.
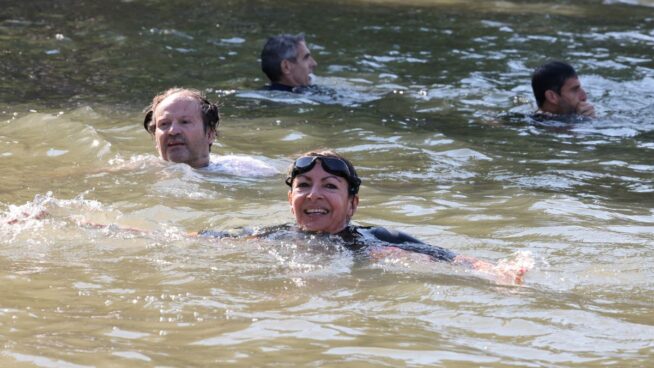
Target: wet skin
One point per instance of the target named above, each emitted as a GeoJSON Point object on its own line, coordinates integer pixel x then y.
{"type": "Point", "coordinates": [320, 201]}
{"type": "Point", "coordinates": [297, 73]}
{"type": "Point", "coordinates": [571, 100]}
{"type": "Point", "coordinates": [179, 133]}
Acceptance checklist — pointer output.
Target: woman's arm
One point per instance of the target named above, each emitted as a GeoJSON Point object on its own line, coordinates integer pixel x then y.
{"type": "Point", "coordinates": [511, 273]}
{"type": "Point", "coordinates": [408, 243]}
{"type": "Point", "coordinates": [504, 272]}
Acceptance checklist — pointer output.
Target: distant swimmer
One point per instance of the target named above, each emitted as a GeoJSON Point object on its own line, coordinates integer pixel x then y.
{"type": "Point", "coordinates": [323, 197]}
{"type": "Point", "coordinates": [287, 62]}
{"type": "Point", "coordinates": [183, 124]}
{"type": "Point", "coordinates": [558, 91]}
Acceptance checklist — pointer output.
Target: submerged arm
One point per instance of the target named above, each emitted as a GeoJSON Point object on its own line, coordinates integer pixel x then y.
{"type": "Point", "coordinates": [504, 273]}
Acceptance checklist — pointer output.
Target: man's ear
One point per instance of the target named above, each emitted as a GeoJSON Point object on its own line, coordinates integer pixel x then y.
{"type": "Point", "coordinates": [552, 97]}
{"type": "Point", "coordinates": [286, 66]}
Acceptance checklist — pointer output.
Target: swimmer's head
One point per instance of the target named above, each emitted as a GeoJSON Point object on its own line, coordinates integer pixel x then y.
{"type": "Point", "coordinates": [323, 195]}
{"type": "Point", "coordinates": [331, 162]}
{"type": "Point", "coordinates": [557, 89]}
{"type": "Point", "coordinates": [183, 125]}
{"type": "Point", "coordinates": [210, 112]}
{"type": "Point", "coordinates": [285, 59]}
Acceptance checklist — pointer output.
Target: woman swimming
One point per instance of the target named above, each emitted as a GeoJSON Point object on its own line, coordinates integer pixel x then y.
{"type": "Point", "coordinates": [323, 196]}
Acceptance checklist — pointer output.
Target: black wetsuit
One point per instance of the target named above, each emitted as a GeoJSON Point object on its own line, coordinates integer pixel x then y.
{"type": "Point", "coordinates": [280, 87]}
{"type": "Point", "coordinates": [285, 88]}
{"type": "Point", "coordinates": [353, 237]}
{"type": "Point", "coordinates": [557, 121]}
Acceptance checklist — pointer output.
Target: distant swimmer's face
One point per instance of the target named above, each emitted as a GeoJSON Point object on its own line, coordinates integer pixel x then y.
{"type": "Point", "coordinates": [179, 132]}
{"type": "Point", "coordinates": [297, 72]}
{"type": "Point", "coordinates": [321, 202]}
{"type": "Point", "coordinates": [571, 95]}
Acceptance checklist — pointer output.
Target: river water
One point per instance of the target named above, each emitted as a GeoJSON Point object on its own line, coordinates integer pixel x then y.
{"type": "Point", "coordinates": [431, 101]}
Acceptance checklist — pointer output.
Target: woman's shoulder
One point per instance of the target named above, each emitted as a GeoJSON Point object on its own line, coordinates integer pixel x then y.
{"type": "Point", "coordinates": [388, 235]}
{"type": "Point", "coordinates": [405, 242]}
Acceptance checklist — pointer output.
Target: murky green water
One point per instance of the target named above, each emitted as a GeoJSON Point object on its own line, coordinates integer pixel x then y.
{"type": "Point", "coordinates": [430, 99]}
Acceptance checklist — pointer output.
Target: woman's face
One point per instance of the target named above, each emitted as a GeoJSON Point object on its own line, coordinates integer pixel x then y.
{"type": "Point", "coordinates": [320, 201]}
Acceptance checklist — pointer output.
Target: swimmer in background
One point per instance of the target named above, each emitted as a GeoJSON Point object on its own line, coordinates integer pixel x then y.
{"type": "Point", "coordinates": [323, 196]}
{"type": "Point", "coordinates": [558, 91]}
{"type": "Point", "coordinates": [287, 62]}
{"type": "Point", "coordinates": [183, 125]}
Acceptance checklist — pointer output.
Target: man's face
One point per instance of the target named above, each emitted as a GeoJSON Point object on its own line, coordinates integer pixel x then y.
{"type": "Point", "coordinates": [179, 131]}
{"type": "Point", "coordinates": [296, 73]}
{"type": "Point", "coordinates": [571, 95]}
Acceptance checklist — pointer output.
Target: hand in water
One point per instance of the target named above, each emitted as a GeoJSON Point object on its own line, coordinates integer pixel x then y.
{"type": "Point", "coordinates": [25, 216]}
{"type": "Point", "coordinates": [585, 109]}
{"type": "Point", "coordinates": [510, 271]}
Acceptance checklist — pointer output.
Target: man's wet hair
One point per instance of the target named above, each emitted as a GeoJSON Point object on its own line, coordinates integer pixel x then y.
{"type": "Point", "coordinates": [277, 49]}
{"type": "Point", "coordinates": [551, 75]}
{"type": "Point", "coordinates": [209, 111]}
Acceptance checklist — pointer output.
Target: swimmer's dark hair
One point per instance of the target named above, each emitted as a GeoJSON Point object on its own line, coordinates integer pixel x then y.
{"type": "Point", "coordinates": [353, 182]}
{"type": "Point", "coordinates": [209, 111]}
{"type": "Point", "coordinates": [277, 49]}
{"type": "Point", "coordinates": [551, 75]}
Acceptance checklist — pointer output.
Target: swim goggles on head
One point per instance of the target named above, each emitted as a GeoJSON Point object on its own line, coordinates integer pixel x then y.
{"type": "Point", "coordinates": [332, 165]}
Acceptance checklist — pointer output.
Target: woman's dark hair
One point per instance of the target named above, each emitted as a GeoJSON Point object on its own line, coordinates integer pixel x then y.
{"type": "Point", "coordinates": [353, 181]}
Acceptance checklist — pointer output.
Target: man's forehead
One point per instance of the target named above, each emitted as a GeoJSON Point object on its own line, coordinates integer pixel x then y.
{"type": "Point", "coordinates": [302, 48]}
{"type": "Point", "coordinates": [572, 82]}
{"type": "Point", "coordinates": [176, 98]}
